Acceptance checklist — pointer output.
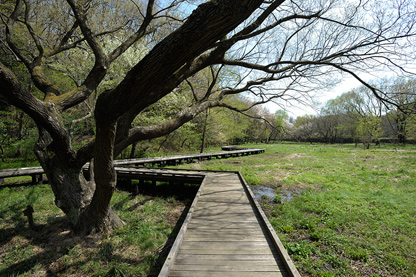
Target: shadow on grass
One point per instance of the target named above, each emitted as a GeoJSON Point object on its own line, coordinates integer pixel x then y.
{"type": "Point", "coordinates": [41, 239]}
{"type": "Point", "coordinates": [164, 190]}
{"type": "Point", "coordinates": [43, 250]}
{"type": "Point", "coordinates": [157, 266]}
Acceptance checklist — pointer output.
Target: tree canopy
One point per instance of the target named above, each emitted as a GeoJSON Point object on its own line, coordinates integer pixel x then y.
{"type": "Point", "coordinates": [117, 58]}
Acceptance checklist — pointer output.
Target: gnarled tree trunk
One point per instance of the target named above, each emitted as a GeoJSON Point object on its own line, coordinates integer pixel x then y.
{"type": "Point", "coordinates": [98, 216]}
{"type": "Point", "coordinates": [73, 192]}
{"type": "Point", "coordinates": [142, 87]}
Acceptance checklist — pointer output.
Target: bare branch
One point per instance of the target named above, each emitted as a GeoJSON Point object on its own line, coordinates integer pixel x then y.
{"type": "Point", "coordinates": [81, 17]}
{"type": "Point", "coordinates": [142, 31]}
{"type": "Point", "coordinates": [9, 32]}
{"type": "Point", "coordinates": [192, 89]}
{"type": "Point", "coordinates": [30, 29]}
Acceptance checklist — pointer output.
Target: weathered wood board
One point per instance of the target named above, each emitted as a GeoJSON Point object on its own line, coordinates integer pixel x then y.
{"type": "Point", "coordinates": [225, 236]}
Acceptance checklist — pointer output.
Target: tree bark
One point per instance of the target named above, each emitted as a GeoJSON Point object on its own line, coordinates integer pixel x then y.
{"type": "Point", "coordinates": [2, 153]}
{"type": "Point", "coordinates": [98, 216]}
{"type": "Point", "coordinates": [204, 131]}
{"type": "Point", "coordinates": [72, 191]}
{"type": "Point", "coordinates": [133, 150]}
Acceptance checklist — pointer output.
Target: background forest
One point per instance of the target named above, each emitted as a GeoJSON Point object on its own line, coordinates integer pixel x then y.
{"type": "Point", "coordinates": [356, 116]}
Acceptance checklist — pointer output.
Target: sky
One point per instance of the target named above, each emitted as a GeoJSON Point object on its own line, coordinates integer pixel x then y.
{"type": "Point", "coordinates": [347, 84]}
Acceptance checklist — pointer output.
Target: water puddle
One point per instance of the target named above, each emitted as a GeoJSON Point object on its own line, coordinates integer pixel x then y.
{"type": "Point", "coordinates": [262, 193]}
{"type": "Point", "coordinates": [289, 195]}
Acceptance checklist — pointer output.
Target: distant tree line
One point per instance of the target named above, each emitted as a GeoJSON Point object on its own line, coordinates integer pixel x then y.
{"type": "Point", "coordinates": [359, 116]}
{"type": "Point", "coordinates": [356, 117]}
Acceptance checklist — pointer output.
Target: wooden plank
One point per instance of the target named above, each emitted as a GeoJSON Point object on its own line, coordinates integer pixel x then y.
{"type": "Point", "coordinates": [205, 204]}
{"type": "Point", "coordinates": [222, 219]}
{"type": "Point", "coordinates": [222, 260]}
{"type": "Point", "coordinates": [222, 226]}
{"type": "Point", "coordinates": [167, 266]}
{"type": "Point", "coordinates": [226, 228]}
{"type": "Point", "coordinates": [225, 212]}
{"type": "Point", "coordinates": [223, 201]}
{"type": "Point", "coordinates": [222, 189]}
{"type": "Point", "coordinates": [273, 236]}
{"type": "Point", "coordinates": [234, 238]}
{"type": "Point", "coordinates": [176, 273]}
{"type": "Point", "coordinates": [229, 245]}
{"type": "Point", "coordinates": [14, 172]}
{"type": "Point", "coordinates": [244, 266]}
{"type": "Point", "coordinates": [251, 251]}
{"type": "Point", "coordinates": [229, 257]}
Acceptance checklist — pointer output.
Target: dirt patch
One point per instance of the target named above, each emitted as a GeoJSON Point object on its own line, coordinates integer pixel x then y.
{"type": "Point", "coordinates": [282, 164]}
{"type": "Point", "coordinates": [175, 211]}
{"type": "Point", "coordinates": [297, 156]}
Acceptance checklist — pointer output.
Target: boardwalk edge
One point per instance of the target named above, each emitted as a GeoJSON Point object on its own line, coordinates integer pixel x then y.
{"type": "Point", "coordinates": [290, 266]}
{"type": "Point", "coordinates": [170, 259]}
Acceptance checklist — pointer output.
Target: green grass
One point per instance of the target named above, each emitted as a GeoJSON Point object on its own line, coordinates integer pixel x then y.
{"type": "Point", "coordinates": [18, 162]}
{"type": "Point", "coordinates": [354, 213]}
{"type": "Point", "coordinates": [133, 250]}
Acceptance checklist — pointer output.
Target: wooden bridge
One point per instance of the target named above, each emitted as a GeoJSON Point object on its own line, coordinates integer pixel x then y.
{"type": "Point", "coordinates": [227, 234]}
{"type": "Point", "coordinates": [37, 172]}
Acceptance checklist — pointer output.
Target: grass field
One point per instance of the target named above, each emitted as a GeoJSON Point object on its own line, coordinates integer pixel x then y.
{"type": "Point", "coordinates": [339, 210]}
{"type": "Point", "coordinates": [352, 211]}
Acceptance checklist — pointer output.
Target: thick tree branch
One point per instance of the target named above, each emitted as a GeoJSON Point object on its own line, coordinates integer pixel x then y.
{"type": "Point", "coordinates": [101, 60]}
{"type": "Point", "coordinates": [148, 132]}
{"type": "Point", "coordinates": [44, 114]}
{"type": "Point", "coordinates": [207, 24]}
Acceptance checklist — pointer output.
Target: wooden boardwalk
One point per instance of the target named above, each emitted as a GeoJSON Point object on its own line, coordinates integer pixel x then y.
{"type": "Point", "coordinates": [227, 234]}
{"type": "Point", "coordinates": [37, 172]}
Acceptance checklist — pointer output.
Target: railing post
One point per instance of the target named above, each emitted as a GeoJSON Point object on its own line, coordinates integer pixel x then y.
{"type": "Point", "coordinates": [37, 179]}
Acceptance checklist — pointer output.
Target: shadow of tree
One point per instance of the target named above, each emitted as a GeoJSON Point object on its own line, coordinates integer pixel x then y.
{"type": "Point", "coordinates": [41, 241]}
{"type": "Point", "coordinates": [44, 247]}
{"type": "Point", "coordinates": [157, 265]}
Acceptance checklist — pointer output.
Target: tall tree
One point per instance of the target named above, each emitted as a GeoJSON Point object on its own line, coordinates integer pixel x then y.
{"type": "Point", "coordinates": [402, 115]}
{"type": "Point", "coordinates": [282, 49]}
{"type": "Point", "coordinates": [281, 118]}
{"type": "Point", "coordinates": [305, 127]}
